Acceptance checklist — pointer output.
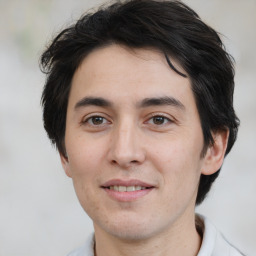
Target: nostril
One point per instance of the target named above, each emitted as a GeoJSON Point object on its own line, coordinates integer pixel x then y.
{"type": "Point", "coordinates": [124, 163]}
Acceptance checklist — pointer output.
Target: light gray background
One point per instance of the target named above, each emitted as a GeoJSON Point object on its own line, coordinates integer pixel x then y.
{"type": "Point", "coordinates": [39, 212]}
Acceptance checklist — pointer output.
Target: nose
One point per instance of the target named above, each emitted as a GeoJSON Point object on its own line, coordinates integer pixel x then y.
{"type": "Point", "coordinates": [126, 147]}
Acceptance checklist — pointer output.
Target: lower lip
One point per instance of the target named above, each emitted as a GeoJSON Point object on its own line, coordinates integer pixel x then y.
{"type": "Point", "coordinates": [127, 196]}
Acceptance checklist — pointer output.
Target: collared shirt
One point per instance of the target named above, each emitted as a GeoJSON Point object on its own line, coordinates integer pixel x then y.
{"type": "Point", "coordinates": [213, 244]}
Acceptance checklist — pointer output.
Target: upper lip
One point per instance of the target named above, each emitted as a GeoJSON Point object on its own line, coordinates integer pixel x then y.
{"type": "Point", "coordinates": [126, 183]}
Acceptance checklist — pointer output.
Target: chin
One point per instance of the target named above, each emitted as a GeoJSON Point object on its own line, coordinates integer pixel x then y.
{"type": "Point", "coordinates": [131, 230]}
{"type": "Point", "coordinates": [131, 234]}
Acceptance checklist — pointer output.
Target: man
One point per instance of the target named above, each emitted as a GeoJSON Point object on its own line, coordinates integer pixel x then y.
{"type": "Point", "coordinates": [139, 102]}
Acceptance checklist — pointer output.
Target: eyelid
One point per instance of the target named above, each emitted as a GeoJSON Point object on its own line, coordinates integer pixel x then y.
{"type": "Point", "coordinates": [167, 116]}
{"type": "Point", "coordinates": [91, 115]}
{"type": "Point", "coordinates": [167, 122]}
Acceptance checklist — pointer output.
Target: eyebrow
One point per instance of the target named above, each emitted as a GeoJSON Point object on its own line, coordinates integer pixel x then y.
{"type": "Point", "coordinates": [160, 101]}
{"type": "Point", "coordinates": [147, 102]}
{"type": "Point", "coordinates": [95, 101]}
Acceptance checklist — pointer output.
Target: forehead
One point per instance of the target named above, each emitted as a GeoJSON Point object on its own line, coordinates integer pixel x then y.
{"type": "Point", "coordinates": [149, 57]}
{"type": "Point", "coordinates": [116, 70]}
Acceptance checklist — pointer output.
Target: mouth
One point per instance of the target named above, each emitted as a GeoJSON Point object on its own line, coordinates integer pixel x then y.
{"type": "Point", "coordinates": [125, 191]}
{"type": "Point", "coordinates": [126, 188]}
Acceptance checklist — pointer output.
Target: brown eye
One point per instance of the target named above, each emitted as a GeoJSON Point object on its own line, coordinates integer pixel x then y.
{"type": "Point", "coordinates": [97, 120]}
{"type": "Point", "coordinates": [158, 120]}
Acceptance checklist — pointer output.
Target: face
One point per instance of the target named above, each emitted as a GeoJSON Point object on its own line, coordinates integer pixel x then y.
{"type": "Point", "coordinates": [133, 141]}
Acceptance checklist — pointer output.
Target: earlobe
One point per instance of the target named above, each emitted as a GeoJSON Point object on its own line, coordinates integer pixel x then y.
{"type": "Point", "coordinates": [65, 164]}
{"type": "Point", "coordinates": [215, 153]}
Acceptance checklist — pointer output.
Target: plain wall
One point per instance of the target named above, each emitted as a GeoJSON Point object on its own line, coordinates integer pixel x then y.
{"type": "Point", "coordinates": [39, 212]}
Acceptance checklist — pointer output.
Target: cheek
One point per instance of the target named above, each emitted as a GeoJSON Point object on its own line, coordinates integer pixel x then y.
{"type": "Point", "coordinates": [85, 169]}
{"type": "Point", "coordinates": [84, 155]}
{"type": "Point", "coordinates": [179, 164]}
{"type": "Point", "coordinates": [85, 165]}
{"type": "Point", "coordinates": [86, 195]}
{"type": "Point", "coordinates": [176, 154]}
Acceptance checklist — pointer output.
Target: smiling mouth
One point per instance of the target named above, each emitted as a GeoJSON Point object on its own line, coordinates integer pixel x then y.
{"type": "Point", "coordinates": [127, 188]}
{"type": "Point", "coordinates": [127, 191]}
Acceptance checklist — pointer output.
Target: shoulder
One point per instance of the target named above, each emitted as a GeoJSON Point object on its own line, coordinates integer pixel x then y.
{"type": "Point", "coordinates": [214, 243]}
{"type": "Point", "coordinates": [86, 250]}
{"type": "Point", "coordinates": [225, 247]}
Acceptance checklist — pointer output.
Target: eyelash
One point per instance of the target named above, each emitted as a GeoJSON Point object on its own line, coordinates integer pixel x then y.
{"type": "Point", "coordinates": [163, 117]}
{"type": "Point", "coordinates": [90, 121]}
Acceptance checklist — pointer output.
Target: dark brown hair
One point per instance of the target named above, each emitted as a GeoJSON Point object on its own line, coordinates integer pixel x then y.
{"type": "Point", "coordinates": [170, 26]}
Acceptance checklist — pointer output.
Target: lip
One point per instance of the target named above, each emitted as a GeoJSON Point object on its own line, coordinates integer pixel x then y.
{"type": "Point", "coordinates": [128, 196]}
{"type": "Point", "coordinates": [127, 183]}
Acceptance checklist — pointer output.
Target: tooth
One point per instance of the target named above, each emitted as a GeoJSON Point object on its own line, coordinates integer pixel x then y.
{"type": "Point", "coordinates": [131, 188]}
{"type": "Point", "coordinates": [122, 189]}
{"type": "Point", "coordinates": [125, 189]}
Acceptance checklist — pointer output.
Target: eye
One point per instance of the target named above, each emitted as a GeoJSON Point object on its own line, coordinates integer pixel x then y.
{"type": "Point", "coordinates": [95, 121]}
{"type": "Point", "coordinates": [159, 120]}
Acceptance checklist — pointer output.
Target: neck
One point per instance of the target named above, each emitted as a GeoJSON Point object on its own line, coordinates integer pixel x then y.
{"type": "Point", "coordinates": [181, 239]}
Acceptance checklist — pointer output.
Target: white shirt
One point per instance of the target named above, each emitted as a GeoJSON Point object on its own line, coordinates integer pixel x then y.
{"type": "Point", "coordinates": [213, 244]}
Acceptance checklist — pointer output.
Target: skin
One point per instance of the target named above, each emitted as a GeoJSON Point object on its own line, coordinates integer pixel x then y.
{"type": "Point", "coordinates": [157, 144]}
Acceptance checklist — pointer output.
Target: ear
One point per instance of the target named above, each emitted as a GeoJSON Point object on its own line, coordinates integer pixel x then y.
{"type": "Point", "coordinates": [65, 164]}
{"type": "Point", "coordinates": [215, 153]}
